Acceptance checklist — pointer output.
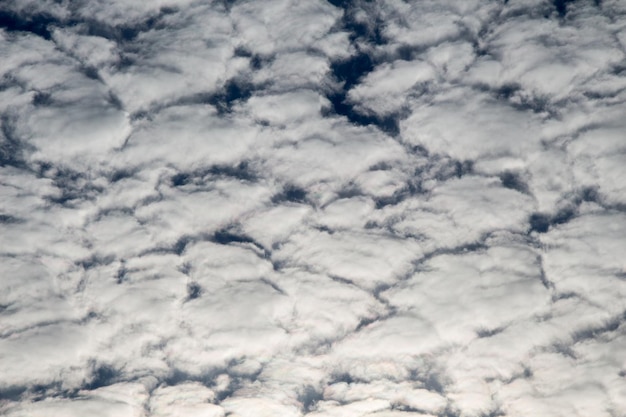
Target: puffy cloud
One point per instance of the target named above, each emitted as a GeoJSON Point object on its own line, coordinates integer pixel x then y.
{"type": "Point", "coordinates": [186, 399]}
{"type": "Point", "coordinates": [124, 399]}
{"type": "Point", "coordinates": [384, 89]}
{"type": "Point", "coordinates": [312, 208]}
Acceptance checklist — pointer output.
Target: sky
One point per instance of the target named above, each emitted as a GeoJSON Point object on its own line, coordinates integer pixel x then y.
{"type": "Point", "coordinates": [316, 208]}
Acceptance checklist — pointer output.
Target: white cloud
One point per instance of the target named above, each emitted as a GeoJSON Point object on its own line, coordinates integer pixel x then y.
{"type": "Point", "coordinates": [469, 125]}
{"type": "Point", "coordinates": [287, 109]}
{"type": "Point", "coordinates": [383, 90]}
{"type": "Point", "coordinates": [292, 208]}
{"type": "Point", "coordinates": [190, 399]}
{"type": "Point", "coordinates": [283, 25]}
{"type": "Point", "coordinates": [346, 256]}
{"type": "Point", "coordinates": [262, 407]}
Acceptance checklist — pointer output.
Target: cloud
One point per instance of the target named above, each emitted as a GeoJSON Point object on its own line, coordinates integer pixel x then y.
{"type": "Point", "coordinates": [115, 400]}
{"type": "Point", "coordinates": [187, 399]}
{"type": "Point", "coordinates": [382, 89]}
{"type": "Point", "coordinates": [312, 208]}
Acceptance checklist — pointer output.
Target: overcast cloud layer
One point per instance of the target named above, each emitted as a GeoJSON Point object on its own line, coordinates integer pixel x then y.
{"type": "Point", "coordinates": [284, 208]}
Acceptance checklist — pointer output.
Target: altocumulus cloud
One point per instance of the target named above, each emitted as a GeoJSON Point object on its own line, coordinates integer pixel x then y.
{"type": "Point", "coordinates": [324, 208]}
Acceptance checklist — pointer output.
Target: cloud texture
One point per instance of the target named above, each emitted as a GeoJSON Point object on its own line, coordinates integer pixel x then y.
{"type": "Point", "coordinates": [323, 208]}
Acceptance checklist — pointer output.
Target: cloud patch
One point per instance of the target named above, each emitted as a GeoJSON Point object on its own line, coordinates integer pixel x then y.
{"type": "Point", "coordinates": [316, 208]}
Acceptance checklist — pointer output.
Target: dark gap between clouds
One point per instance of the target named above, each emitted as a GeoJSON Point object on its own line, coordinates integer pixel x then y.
{"type": "Point", "coordinates": [42, 99]}
{"type": "Point", "coordinates": [512, 94]}
{"type": "Point", "coordinates": [561, 6]}
{"type": "Point", "coordinates": [226, 236]}
{"type": "Point", "coordinates": [514, 181]}
{"type": "Point", "coordinates": [256, 61]}
{"type": "Point", "coordinates": [72, 185]}
{"type": "Point", "coordinates": [543, 277]}
{"type": "Point", "coordinates": [450, 412]}
{"type": "Point", "coordinates": [462, 249]}
{"type": "Point", "coordinates": [441, 169]}
{"type": "Point", "coordinates": [366, 321]}
{"type": "Point", "coordinates": [95, 261]}
{"type": "Point", "coordinates": [40, 24]}
{"type": "Point", "coordinates": [309, 397]}
{"type": "Point", "coordinates": [344, 377]}
{"type": "Point", "coordinates": [407, 409]}
{"type": "Point", "coordinates": [241, 171]}
{"type": "Point", "coordinates": [102, 376]}
{"type": "Point", "coordinates": [12, 393]}
{"type": "Point", "coordinates": [208, 379]}
{"type": "Point", "coordinates": [484, 333]}
{"type": "Point", "coordinates": [358, 30]}
{"type": "Point", "coordinates": [290, 193]}
{"type": "Point", "coordinates": [121, 275]}
{"type": "Point", "coordinates": [434, 382]}
{"type": "Point", "coordinates": [121, 174]}
{"type": "Point", "coordinates": [194, 290]}
{"type": "Point", "coordinates": [273, 285]}
{"type": "Point", "coordinates": [593, 332]}
{"type": "Point", "coordinates": [36, 392]}
{"type": "Point", "coordinates": [350, 71]}
{"type": "Point", "coordinates": [234, 91]}
{"type": "Point", "coordinates": [11, 147]}
{"type": "Point", "coordinates": [542, 222]}
{"type": "Point", "coordinates": [36, 24]}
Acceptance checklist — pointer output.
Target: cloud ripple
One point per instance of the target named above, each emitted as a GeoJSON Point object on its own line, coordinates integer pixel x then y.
{"type": "Point", "coordinates": [324, 208]}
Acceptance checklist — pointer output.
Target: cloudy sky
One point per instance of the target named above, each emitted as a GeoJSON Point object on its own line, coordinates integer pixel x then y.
{"type": "Point", "coordinates": [326, 208]}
